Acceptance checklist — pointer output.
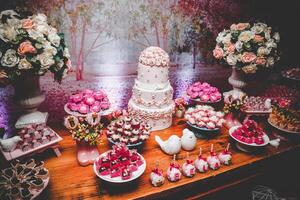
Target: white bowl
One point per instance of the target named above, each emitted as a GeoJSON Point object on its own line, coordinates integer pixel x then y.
{"type": "Point", "coordinates": [134, 176]}
{"type": "Point", "coordinates": [243, 146]}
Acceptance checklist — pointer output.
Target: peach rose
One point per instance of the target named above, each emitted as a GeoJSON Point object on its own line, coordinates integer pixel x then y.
{"type": "Point", "coordinates": [242, 26]}
{"type": "Point", "coordinates": [248, 57]}
{"type": "Point", "coordinates": [218, 52]}
{"type": "Point", "coordinates": [26, 47]}
{"type": "Point", "coordinates": [258, 38]}
{"type": "Point", "coordinates": [27, 24]}
{"type": "Point", "coordinates": [231, 49]}
{"type": "Point", "coordinates": [260, 61]}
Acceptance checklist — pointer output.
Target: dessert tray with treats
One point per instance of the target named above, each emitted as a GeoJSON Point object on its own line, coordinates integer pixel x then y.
{"type": "Point", "coordinates": [285, 119]}
{"type": "Point", "coordinates": [203, 93]}
{"type": "Point", "coordinates": [129, 131]}
{"type": "Point", "coordinates": [292, 74]}
{"type": "Point", "coordinates": [32, 139]}
{"type": "Point", "coordinates": [23, 180]}
{"type": "Point", "coordinates": [204, 120]}
{"type": "Point", "coordinates": [88, 101]}
{"type": "Point", "coordinates": [257, 105]}
{"type": "Point", "coordinates": [119, 165]}
{"type": "Point", "coordinates": [249, 137]}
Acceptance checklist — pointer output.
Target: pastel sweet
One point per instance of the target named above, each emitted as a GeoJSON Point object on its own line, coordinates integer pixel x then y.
{"type": "Point", "coordinates": [225, 156]}
{"type": "Point", "coordinates": [157, 177]}
{"type": "Point", "coordinates": [89, 100]}
{"type": "Point", "coordinates": [174, 173]}
{"type": "Point", "coordinates": [188, 168]}
{"type": "Point", "coordinates": [203, 91]}
{"type": "Point", "coordinates": [73, 106]}
{"type": "Point", "coordinates": [201, 164]}
{"type": "Point", "coordinates": [76, 98]}
{"type": "Point", "coordinates": [213, 160]}
{"type": "Point", "coordinates": [83, 109]}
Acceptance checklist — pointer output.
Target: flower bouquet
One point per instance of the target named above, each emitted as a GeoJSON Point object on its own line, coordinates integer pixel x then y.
{"type": "Point", "coordinates": [87, 133]}
{"type": "Point", "coordinates": [29, 48]}
{"type": "Point", "coordinates": [247, 48]}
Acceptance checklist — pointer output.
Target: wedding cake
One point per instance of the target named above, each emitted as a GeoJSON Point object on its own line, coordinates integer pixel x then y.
{"type": "Point", "coordinates": [152, 94]}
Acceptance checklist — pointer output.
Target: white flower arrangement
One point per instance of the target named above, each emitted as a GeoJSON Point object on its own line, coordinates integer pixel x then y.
{"type": "Point", "coordinates": [30, 46]}
{"type": "Point", "coordinates": [247, 47]}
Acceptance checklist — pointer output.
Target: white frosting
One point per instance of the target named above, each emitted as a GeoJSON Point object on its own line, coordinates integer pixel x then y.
{"type": "Point", "coordinates": [156, 179]}
{"type": "Point", "coordinates": [188, 170]}
{"type": "Point", "coordinates": [201, 165]}
{"type": "Point", "coordinates": [172, 173]}
{"type": "Point", "coordinates": [152, 95]}
{"type": "Point", "coordinates": [213, 162]}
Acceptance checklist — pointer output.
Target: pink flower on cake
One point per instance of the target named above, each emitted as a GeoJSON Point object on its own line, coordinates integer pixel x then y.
{"type": "Point", "coordinates": [231, 49]}
{"type": "Point", "coordinates": [248, 57]}
{"type": "Point", "coordinates": [26, 47]}
{"type": "Point", "coordinates": [258, 38]}
{"type": "Point", "coordinates": [218, 52]}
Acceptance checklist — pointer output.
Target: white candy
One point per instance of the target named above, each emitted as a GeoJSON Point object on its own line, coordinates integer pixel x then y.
{"type": "Point", "coordinates": [213, 162]}
{"type": "Point", "coordinates": [188, 170]}
{"type": "Point", "coordinates": [201, 165]}
{"type": "Point", "coordinates": [173, 174]}
{"type": "Point", "coordinates": [214, 119]}
{"type": "Point", "coordinates": [225, 158]}
{"type": "Point", "coordinates": [156, 179]}
{"type": "Point", "coordinates": [210, 125]}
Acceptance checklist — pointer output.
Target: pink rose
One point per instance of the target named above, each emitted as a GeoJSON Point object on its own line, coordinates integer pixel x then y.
{"type": "Point", "coordinates": [248, 57]}
{"type": "Point", "coordinates": [258, 38]}
{"type": "Point", "coordinates": [260, 61]}
{"type": "Point", "coordinates": [26, 47]}
{"type": "Point", "coordinates": [27, 24]}
{"type": "Point", "coordinates": [218, 52]}
{"type": "Point", "coordinates": [242, 26]}
{"type": "Point", "coordinates": [231, 48]}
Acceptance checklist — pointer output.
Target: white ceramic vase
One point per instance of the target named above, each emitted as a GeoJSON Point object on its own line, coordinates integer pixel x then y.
{"type": "Point", "coordinates": [28, 97]}
{"type": "Point", "coordinates": [237, 79]}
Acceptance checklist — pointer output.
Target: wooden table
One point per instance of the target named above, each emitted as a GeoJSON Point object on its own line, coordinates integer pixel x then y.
{"type": "Point", "coordinates": [71, 181]}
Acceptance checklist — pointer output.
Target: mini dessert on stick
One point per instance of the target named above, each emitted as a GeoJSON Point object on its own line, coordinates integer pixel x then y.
{"type": "Point", "coordinates": [225, 156]}
{"type": "Point", "coordinates": [188, 168]}
{"type": "Point", "coordinates": [201, 163]}
{"type": "Point", "coordinates": [156, 177]}
{"type": "Point", "coordinates": [173, 173]}
{"type": "Point", "coordinates": [213, 160]}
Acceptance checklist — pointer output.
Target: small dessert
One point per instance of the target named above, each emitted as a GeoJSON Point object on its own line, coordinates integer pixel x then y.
{"type": "Point", "coordinates": [157, 177]}
{"type": "Point", "coordinates": [204, 92]}
{"type": "Point", "coordinates": [201, 163]}
{"type": "Point", "coordinates": [225, 156]}
{"type": "Point", "coordinates": [88, 101]}
{"type": "Point", "coordinates": [293, 73]}
{"type": "Point", "coordinates": [129, 131]}
{"type": "Point", "coordinates": [249, 133]}
{"type": "Point", "coordinates": [213, 160]}
{"type": "Point", "coordinates": [188, 168]}
{"type": "Point", "coordinates": [256, 104]}
{"type": "Point", "coordinates": [174, 173]}
{"type": "Point", "coordinates": [126, 173]}
{"type": "Point", "coordinates": [205, 116]}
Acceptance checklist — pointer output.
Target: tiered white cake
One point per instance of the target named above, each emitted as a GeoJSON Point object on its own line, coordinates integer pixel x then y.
{"type": "Point", "coordinates": [152, 94]}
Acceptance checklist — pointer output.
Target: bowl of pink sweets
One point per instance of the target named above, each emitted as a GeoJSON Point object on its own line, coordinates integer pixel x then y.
{"type": "Point", "coordinates": [87, 101]}
{"type": "Point", "coordinates": [203, 93]}
{"type": "Point", "coordinates": [249, 136]}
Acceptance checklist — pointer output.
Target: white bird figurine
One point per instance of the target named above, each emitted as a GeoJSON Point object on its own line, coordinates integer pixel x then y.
{"type": "Point", "coordinates": [188, 140]}
{"type": "Point", "coordinates": [10, 144]}
{"type": "Point", "coordinates": [170, 146]}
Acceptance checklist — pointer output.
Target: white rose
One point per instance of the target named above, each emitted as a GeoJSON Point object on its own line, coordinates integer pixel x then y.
{"type": "Point", "coordinates": [35, 34]}
{"type": "Point", "coordinates": [227, 39]}
{"type": "Point", "coordinates": [48, 48]}
{"type": "Point", "coordinates": [276, 37]}
{"type": "Point", "coordinates": [267, 35]}
{"type": "Point", "coordinates": [257, 29]}
{"type": "Point", "coordinates": [246, 36]}
{"type": "Point", "coordinates": [10, 58]}
{"type": "Point", "coordinates": [46, 60]}
{"type": "Point", "coordinates": [24, 64]}
{"type": "Point", "coordinates": [231, 59]}
{"type": "Point", "coordinates": [7, 33]}
{"type": "Point", "coordinates": [66, 53]}
{"type": "Point", "coordinates": [261, 51]}
{"type": "Point", "coordinates": [271, 44]}
{"type": "Point", "coordinates": [238, 46]}
{"type": "Point", "coordinates": [40, 18]}
{"type": "Point", "coordinates": [221, 36]}
{"type": "Point", "coordinates": [10, 13]}
{"type": "Point", "coordinates": [54, 39]}
{"type": "Point", "coordinates": [42, 28]}
{"type": "Point", "coordinates": [270, 61]}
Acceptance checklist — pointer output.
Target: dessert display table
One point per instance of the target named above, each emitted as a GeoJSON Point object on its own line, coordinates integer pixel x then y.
{"type": "Point", "coordinates": [70, 180]}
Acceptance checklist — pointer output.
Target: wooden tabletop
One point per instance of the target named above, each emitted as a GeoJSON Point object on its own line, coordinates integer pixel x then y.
{"type": "Point", "coordinates": [71, 181]}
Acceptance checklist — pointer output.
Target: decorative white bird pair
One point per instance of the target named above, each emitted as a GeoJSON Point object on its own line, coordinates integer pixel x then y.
{"type": "Point", "coordinates": [174, 143]}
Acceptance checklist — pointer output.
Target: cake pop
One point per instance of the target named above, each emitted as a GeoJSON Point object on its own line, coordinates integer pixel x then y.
{"type": "Point", "coordinates": [212, 160]}
{"type": "Point", "coordinates": [156, 177]}
{"type": "Point", "coordinates": [225, 156]}
{"type": "Point", "coordinates": [173, 173]}
{"type": "Point", "coordinates": [188, 168]}
{"type": "Point", "coordinates": [201, 163]}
